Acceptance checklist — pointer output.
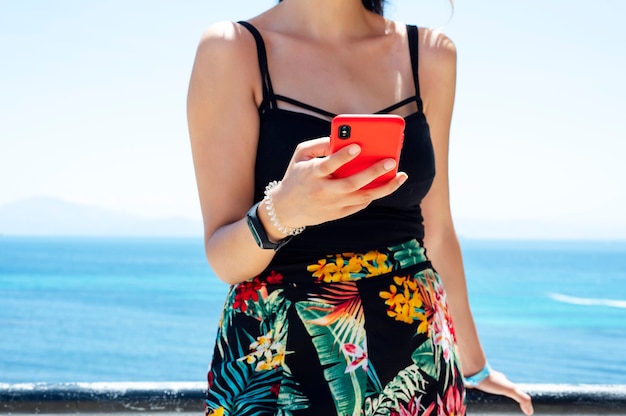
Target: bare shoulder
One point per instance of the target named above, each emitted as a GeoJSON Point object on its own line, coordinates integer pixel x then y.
{"type": "Point", "coordinates": [225, 65]}
{"type": "Point", "coordinates": [436, 49]}
{"type": "Point", "coordinates": [437, 72]}
{"type": "Point", "coordinates": [225, 41]}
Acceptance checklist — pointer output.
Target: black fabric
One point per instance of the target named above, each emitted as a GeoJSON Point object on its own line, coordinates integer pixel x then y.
{"type": "Point", "coordinates": [385, 222]}
{"type": "Point", "coordinates": [349, 318]}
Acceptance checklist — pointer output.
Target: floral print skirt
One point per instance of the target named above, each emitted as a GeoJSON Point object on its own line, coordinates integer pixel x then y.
{"type": "Point", "coordinates": [352, 334]}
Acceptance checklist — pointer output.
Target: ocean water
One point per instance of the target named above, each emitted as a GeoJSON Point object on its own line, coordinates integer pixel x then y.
{"type": "Point", "coordinates": [107, 309]}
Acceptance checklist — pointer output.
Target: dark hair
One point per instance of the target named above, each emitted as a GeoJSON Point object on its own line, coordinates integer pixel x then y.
{"type": "Point", "coordinates": [375, 6]}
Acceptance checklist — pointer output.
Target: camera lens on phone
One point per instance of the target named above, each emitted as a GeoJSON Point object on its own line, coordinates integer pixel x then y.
{"type": "Point", "coordinates": [344, 131]}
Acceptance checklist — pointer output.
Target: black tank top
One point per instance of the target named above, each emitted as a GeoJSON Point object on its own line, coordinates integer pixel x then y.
{"type": "Point", "coordinates": [385, 222]}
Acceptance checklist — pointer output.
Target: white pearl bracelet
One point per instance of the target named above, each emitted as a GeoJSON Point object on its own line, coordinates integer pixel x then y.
{"type": "Point", "coordinates": [269, 205]}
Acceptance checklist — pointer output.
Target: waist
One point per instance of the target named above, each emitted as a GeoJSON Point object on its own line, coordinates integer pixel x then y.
{"type": "Point", "coordinates": [358, 233]}
{"type": "Point", "coordinates": [346, 267]}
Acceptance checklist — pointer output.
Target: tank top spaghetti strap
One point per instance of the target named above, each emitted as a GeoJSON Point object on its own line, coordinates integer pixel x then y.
{"type": "Point", "coordinates": [385, 222]}
{"type": "Point", "coordinates": [270, 99]}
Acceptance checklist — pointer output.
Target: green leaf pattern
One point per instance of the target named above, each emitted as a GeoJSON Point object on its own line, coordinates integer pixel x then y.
{"type": "Point", "coordinates": [252, 377]}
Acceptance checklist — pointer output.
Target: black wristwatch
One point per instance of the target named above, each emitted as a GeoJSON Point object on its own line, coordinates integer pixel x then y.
{"type": "Point", "coordinates": [258, 231]}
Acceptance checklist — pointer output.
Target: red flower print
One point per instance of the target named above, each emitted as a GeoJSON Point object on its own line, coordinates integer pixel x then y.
{"type": "Point", "coordinates": [413, 409]}
{"type": "Point", "coordinates": [246, 291]}
{"type": "Point", "coordinates": [274, 278]}
{"type": "Point", "coordinates": [275, 389]}
{"type": "Point", "coordinates": [454, 402]}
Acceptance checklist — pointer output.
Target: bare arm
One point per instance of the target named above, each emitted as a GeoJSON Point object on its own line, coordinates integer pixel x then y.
{"type": "Point", "coordinates": [438, 75]}
{"type": "Point", "coordinates": [223, 127]}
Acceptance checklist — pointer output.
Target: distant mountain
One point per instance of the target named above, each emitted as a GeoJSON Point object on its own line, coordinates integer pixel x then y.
{"type": "Point", "coordinates": [49, 216]}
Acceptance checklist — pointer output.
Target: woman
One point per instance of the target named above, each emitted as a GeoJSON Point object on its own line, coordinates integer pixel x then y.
{"type": "Point", "coordinates": [335, 307]}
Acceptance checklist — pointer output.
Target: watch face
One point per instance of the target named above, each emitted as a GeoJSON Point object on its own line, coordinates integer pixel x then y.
{"type": "Point", "coordinates": [259, 234]}
{"type": "Point", "coordinates": [257, 230]}
{"type": "Point", "coordinates": [254, 232]}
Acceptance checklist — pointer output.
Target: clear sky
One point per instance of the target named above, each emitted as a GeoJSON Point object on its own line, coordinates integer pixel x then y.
{"type": "Point", "coordinates": [92, 107]}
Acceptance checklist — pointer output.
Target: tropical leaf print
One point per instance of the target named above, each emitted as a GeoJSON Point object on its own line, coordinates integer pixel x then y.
{"type": "Point", "coordinates": [438, 315]}
{"type": "Point", "coordinates": [290, 399]}
{"type": "Point", "coordinates": [251, 368]}
{"type": "Point", "coordinates": [405, 387]}
{"type": "Point", "coordinates": [241, 390]}
{"type": "Point", "coordinates": [408, 253]}
{"type": "Point", "coordinates": [409, 368]}
{"type": "Point", "coordinates": [347, 387]}
{"type": "Point", "coordinates": [346, 313]}
{"type": "Point", "coordinates": [271, 313]}
{"type": "Point", "coordinates": [424, 357]}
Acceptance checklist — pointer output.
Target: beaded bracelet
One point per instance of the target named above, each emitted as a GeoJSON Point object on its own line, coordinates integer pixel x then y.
{"type": "Point", "coordinates": [476, 379]}
{"type": "Point", "coordinates": [269, 205]}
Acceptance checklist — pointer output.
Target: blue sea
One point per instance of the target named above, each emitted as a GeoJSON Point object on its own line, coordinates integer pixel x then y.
{"type": "Point", "coordinates": [130, 309]}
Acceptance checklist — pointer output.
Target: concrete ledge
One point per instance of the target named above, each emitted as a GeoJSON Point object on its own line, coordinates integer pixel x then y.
{"type": "Point", "coordinates": [555, 399]}
{"type": "Point", "coordinates": [148, 398]}
{"type": "Point", "coordinates": [101, 398]}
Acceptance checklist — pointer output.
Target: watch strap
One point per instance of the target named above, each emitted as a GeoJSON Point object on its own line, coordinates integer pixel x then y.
{"type": "Point", "coordinates": [259, 233]}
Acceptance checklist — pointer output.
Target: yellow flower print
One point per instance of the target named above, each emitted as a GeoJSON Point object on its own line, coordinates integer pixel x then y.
{"type": "Point", "coordinates": [376, 263]}
{"type": "Point", "coordinates": [393, 297]}
{"type": "Point", "coordinates": [322, 269]}
{"type": "Point", "coordinates": [217, 412]}
{"type": "Point", "coordinates": [344, 269]}
{"type": "Point", "coordinates": [349, 266]}
{"type": "Point", "coordinates": [405, 302]}
{"type": "Point", "coordinates": [399, 280]}
{"type": "Point", "coordinates": [423, 326]}
{"type": "Point", "coordinates": [401, 313]}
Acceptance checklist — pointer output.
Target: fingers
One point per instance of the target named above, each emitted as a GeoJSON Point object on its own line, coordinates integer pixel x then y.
{"type": "Point", "coordinates": [325, 166]}
{"type": "Point", "coordinates": [497, 383]}
{"type": "Point", "coordinates": [366, 176]}
{"type": "Point", "coordinates": [333, 162]}
{"type": "Point", "coordinates": [355, 201]}
{"type": "Point", "coordinates": [318, 148]}
{"type": "Point", "coordinates": [321, 197]}
{"type": "Point", "coordinates": [312, 149]}
{"type": "Point", "coordinates": [524, 400]}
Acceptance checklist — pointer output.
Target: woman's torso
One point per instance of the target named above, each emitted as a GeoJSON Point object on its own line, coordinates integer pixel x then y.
{"type": "Point", "coordinates": [285, 122]}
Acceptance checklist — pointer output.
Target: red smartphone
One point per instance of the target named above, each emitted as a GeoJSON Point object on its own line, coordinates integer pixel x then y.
{"type": "Point", "coordinates": [380, 137]}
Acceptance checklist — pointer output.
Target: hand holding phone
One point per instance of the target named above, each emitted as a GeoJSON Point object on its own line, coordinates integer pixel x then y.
{"type": "Point", "coordinates": [380, 136]}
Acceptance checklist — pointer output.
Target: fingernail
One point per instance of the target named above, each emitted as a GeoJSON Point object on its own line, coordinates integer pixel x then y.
{"type": "Point", "coordinates": [403, 179]}
{"type": "Point", "coordinates": [354, 149]}
{"type": "Point", "coordinates": [389, 164]}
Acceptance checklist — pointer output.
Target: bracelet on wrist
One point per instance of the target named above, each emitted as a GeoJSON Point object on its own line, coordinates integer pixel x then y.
{"type": "Point", "coordinates": [476, 379]}
{"type": "Point", "coordinates": [269, 205]}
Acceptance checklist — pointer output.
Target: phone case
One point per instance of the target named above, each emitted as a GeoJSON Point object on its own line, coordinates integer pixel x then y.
{"type": "Point", "coordinates": [379, 135]}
